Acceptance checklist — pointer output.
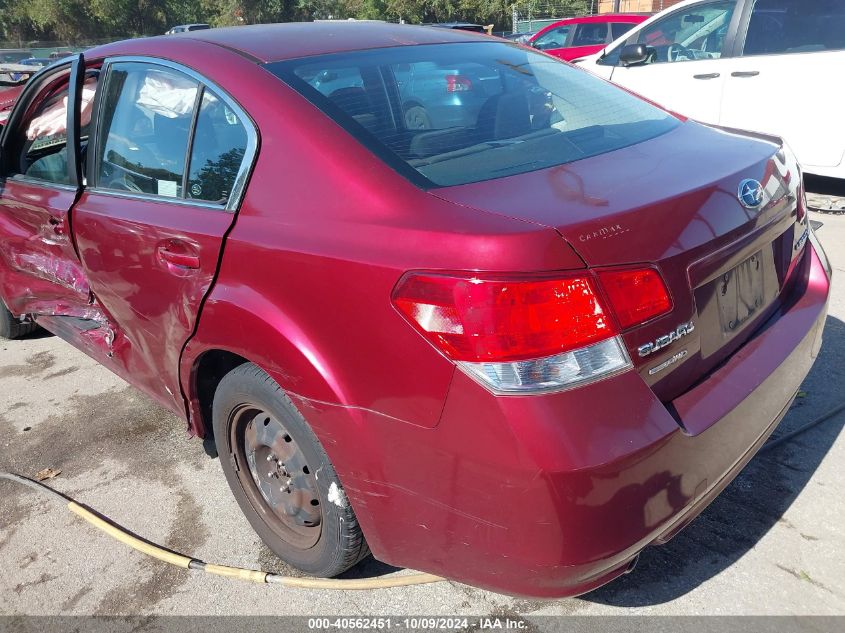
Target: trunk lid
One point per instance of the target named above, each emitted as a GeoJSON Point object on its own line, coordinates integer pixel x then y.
{"type": "Point", "coordinates": [673, 202]}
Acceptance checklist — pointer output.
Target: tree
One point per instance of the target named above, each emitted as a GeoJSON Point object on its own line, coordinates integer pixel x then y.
{"type": "Point", "coordinates": [131, 17]}
{"type": "Point", "coordinates": [79, 21]}
{"type": "Point", "coordinates": [326, 9]}
{"type": "Point", "coordinates": [55, 19]}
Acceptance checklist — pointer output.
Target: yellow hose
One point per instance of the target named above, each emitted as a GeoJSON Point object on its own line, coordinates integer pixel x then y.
{"type": "Point", "coordinates": [127, 539]}
{"type": "Point", "coordinates": [249, 575]}
{"type": "Point", "coordinates": [120, 534]}
{"type": "Point", "coordinates": [354, 584]}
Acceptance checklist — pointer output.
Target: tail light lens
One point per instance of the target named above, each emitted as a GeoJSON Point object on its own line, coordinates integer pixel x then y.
{"type": "Point", "coordinates": [552, 373]}
{"type": "Point", "coordinates": [531, 335]}
{"type": "Point", "coordinates": [472, 319]}
{"type": "Point", "coordinates": [637, 296]}
{"type": "Point", "coordinates": [802, 203]}
{"type": "Point", "coordinates": [458, 83]}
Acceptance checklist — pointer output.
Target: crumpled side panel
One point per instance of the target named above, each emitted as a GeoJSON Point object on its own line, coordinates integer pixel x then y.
{"type": "Point", "coordinates": [64, 309]}
{"type": "Point", "coordinates": [65, 273]}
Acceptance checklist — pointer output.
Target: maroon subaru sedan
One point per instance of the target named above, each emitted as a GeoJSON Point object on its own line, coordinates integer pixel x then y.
{"type": "Point", "coordinates": [513, 351]}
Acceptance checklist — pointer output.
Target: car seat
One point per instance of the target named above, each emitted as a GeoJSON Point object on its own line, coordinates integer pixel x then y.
{"type": "Point", "coordinates": [356, 103]}
{"type": "Point", "coordinates": [503, 116]}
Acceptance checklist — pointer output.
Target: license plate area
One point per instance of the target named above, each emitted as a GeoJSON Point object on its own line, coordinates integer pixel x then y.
{"type": "Point", "coordinates": [729, 302]}
{"type": "Point", "coordinates": [740, 293]}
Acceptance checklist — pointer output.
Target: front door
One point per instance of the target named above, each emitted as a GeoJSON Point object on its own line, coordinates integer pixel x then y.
{"type": "Point", "coordinates": [40, 273]}
{"type": "Point", "coordinates": [786, 78]}
{"type": "Point", "coordinates": [554, 41]}
{"type": "Point", "coordinates": [167, 172]}
{"type": "Point", "coordinates": [685, 72]}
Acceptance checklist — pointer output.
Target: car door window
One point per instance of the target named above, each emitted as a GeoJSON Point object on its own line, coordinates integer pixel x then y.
{"type": "Point", "coordinates": [555, 38]}
{"type": "Point", "coordinates": [40, 146]}
{"type": "Point", "coordinates": [697, 32]}
{"type": "Point", "coordinates": [618, 29]}
{"type": "Point", "coordinates": [145, 130]}
{"type": "Point", "coordinates": [219, 147]}
{"type": "Point", "coordinates": [591, 34]}
{"type": "Point", "coordinates": [780, 27]}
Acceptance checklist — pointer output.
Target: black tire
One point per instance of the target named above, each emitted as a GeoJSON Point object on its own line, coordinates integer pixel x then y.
{"type": "Point", "coordinates": [249, 408]}
{"type": "Point", "coordinates": [10, 327]}
{"type": "Point", "coordinates": [416, 118]}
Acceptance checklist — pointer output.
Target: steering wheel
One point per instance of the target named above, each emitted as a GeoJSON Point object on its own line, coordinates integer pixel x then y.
{"type": "Point", "coordinates": [127, 152]}
{"type": "Point", "coordinates": [123, 183]}
{"type": "Point", "coordinates": [674, 52]}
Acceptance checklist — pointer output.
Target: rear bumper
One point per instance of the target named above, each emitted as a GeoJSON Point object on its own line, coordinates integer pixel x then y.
{"type": "Point", "coordinates": [556, 495]}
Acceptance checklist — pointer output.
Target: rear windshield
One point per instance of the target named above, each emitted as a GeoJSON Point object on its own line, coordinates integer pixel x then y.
{"type": "Point", "coordinates": [452, 114]}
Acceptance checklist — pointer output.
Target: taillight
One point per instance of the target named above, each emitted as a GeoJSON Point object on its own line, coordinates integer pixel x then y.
{"type": "Point", "coordinates": [802, 203]}
{"type": "Point", "coordinates": [458, 83]}
{"type": "Point", "coordinates": [793, 177]}
{"type": "Point", "coordinates": [531, 335]}
{"type": "Point", "coordinates": [636, 296]}
{"type": "Point", "coordinates": [476, 319]}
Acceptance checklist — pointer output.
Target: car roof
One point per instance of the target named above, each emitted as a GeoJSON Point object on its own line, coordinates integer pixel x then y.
{"type": "Point", "coordinates": [276, 42]}
{"type": "Point", "coordinates": [603, 18]}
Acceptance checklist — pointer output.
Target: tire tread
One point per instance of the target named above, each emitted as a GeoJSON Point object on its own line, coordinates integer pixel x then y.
{"type": "Point", "coordinates": [11, 328]}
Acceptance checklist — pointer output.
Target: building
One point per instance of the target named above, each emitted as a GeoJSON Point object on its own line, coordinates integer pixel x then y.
{"type": "Point", "coordinates": [634, 6]}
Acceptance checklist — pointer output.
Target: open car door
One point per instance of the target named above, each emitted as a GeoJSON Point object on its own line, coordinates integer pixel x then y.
{"type": "Point", "coordinates": [40, 180]}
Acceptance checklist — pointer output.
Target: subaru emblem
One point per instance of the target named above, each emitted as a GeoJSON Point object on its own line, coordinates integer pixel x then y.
{"type": "Point", "coordinates": [750, 193]}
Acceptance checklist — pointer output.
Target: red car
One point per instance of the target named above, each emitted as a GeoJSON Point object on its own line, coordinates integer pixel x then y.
{"type": "Point", "coordinates": [573, 38]}
{"type": "Point", "coordinates": [8, 96]}
{"type": "Point", "coordinates": [513, 352]}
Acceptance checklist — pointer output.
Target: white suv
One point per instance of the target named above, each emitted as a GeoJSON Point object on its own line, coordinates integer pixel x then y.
{"type": "Point", "coordinates": [774, 66]}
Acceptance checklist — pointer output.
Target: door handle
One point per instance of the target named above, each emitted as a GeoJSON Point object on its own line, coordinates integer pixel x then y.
{"type": "Point", "coordinates": [746, 73]}
{"type": "Point", "coordinates": [707, 76]}
{"type": "Point", "coordinates": [181, 260]}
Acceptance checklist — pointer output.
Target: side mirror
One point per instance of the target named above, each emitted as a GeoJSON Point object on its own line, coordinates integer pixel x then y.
{"type": "Point", "coordinates": [634, 54]}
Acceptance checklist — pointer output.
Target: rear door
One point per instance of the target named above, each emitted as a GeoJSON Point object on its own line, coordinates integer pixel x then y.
{"type": "Point", "coordinates": [786, 77]}
{"type": "Point", "coordinates": [40, 273]}
{"type": "Point", "coordinates": [588, 38]}
{"type": "Point", "coordinates": [618, 29]}
{"type": "Point", "coordinates": [167, 170]}
{"type": "Point", "coordinates": [686, 71]}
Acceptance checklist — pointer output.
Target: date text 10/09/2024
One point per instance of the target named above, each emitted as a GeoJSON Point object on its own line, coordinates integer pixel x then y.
{"type": "Point", "coordinates": [417, 623]}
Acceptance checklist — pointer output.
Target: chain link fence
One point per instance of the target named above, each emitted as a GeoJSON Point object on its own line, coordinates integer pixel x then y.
{"type": "Point", "coordinates": [15, 50]}
{"type": "Point", "coordinates": [533, 15]}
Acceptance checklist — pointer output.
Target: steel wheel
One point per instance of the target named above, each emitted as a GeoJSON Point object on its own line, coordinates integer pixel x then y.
{"type": "Point", "coordinates": [282, 477]}
{"type": "Point", "coordinates": [280, 482]}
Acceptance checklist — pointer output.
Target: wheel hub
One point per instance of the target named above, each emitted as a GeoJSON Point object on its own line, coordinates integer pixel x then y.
{"type": "Point", "coordinates": [282, 476]}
